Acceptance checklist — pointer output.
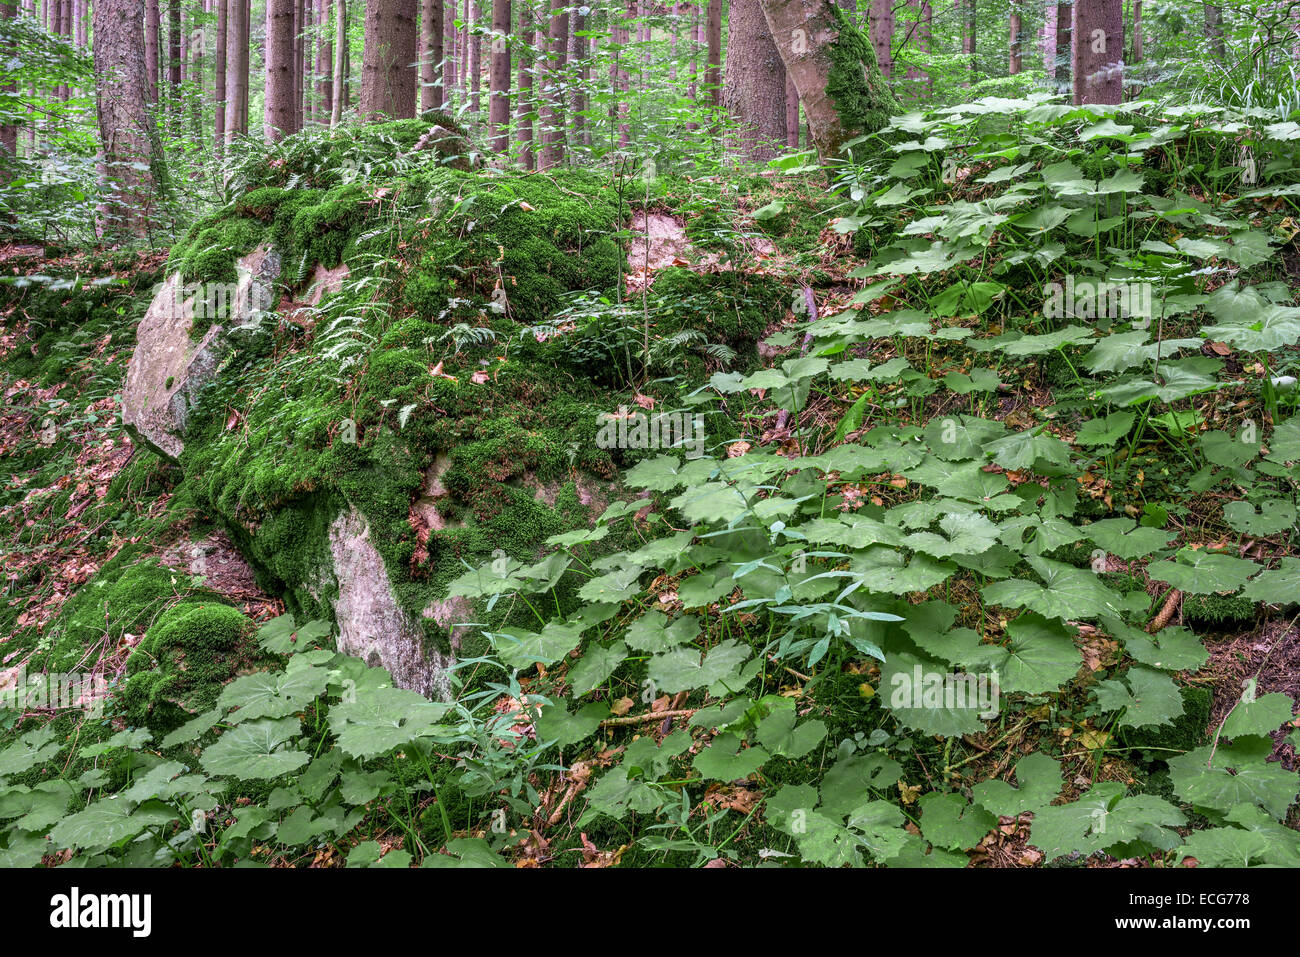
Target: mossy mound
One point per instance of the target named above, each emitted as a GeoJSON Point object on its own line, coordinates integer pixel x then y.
{"type": "Point", "coordinates": [124, 598]}
{"type": "Point", "coordinates": [183, 661]}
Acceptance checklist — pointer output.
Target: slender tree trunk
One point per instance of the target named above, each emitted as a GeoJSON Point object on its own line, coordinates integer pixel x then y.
{"type": "Point", "coordinates": [1097, 59]}
{"type": "Point", "coordinates": [474, 60]}
{"type": "Point", "coordinates": [580, 71]}
{"type": "Point", "coordinates": [340, 60]}
{"type": "Point", "coordinates": [835, 70]}
{"type": "Point", "coordinates": [882, 34]}
{"type": "Point", "coordinates": [618, 80]}
{"type": "Point", "coordinates": [713, 72]}
{"type": "Point", "coordinates": [552, 92]}
{"type": "Point", "coordinates": [237, 26]}
{"type": "Point", "coordinates": [324, 73]}
{"type": "Point", "coordinates": [173, 60]}
{"type": "Point", "coordinates": [524, 101]}
{"type": "Point", "coordinates": [8, 131]}
{"type": "Point", "coordinates": [449, 53]}
{"type": "Point", "coordinates": [1014, 31]}
{"type": "Point", "coordinates": [299, 68]}
{"type": "Point", "coordinates": [499, 78]}
{"type": "Point", "coordinates": [219, 77]}
{"type": "Point", "coordinates": [1214, 30]}
{"type": "Point", "coordinates": [430, 54]}
{"type": "Point", "coordinates": [152, 25]}
{"type": "Point", "coordinates": [279, 117]}
{"type": "Point", "coordinates": [1137, 31]}
{"type": "Point", "coordinates": [1063, 56]}
{"type": "Point", "coordinates": [125, 126]}
{"type": "Point", "coordinates": [753, 88]}
{"type": "Point", "coordinates": [388, 64]}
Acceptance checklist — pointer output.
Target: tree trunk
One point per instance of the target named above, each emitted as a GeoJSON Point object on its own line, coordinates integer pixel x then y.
{"type": "Point", "coordinates": [618, 82]}
{"type": "Point", "coordinates": [324, 73]}
{"type": "Point", "coordinates": [474, 59]}
{"type": "Point", "coordinates": [882, 34]}
{"type": "Point", "coordinates": [552, 89]}
{"type": "Point", "coordinates": [1214, 30]}
{"type": "Point", "coordinates": [1137, 31]}
{"type": "Point", "coordinates": [581, 73]}
{"type": "Point", "coordinates": [835, 70]}
{"type": "Point", "coordinates": [388, 61]}
{"type": "Point", "coordinates": [8, 131]}
{"type": "Point", "coordinates": [524, 101]}
{"type": "Point", "coordinates": [1097, 60]}
{"type": "Point", "coordinates": [340, 60]}
{"type": "Point", "coordinates": [430, 54]}
{"type": "Point", "coordinates": [173, 59]}
{"type": "Point", "coordinates": [713, 41]}
{"type": "Point", "coordinates": [499, 78]}
{"type": "Point", "coordinates": [449, 60]}
{"type": "Point", "coordinates": [1063, 56]}
{"type": "Point", "coordinates": [219, 77]}
{"type": "Point", "coordinates": [1015, 30]}
{"type": "Point", "coordinates": [125, 125]}
{"type": "Point", "coordinates": [151, 29]}
{"type": "Point", "coordinates": [279, 117]}
{"type": "Point", "coordinates": [753, 88]}
{"type": "Point", "coordinates": [237, 25]}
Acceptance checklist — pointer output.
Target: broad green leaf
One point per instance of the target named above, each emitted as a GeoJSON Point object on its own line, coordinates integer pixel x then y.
{"type": "Point", "coordinates": [1147, 697]}
{"type": "Point", "coordinates": [1038, 782]}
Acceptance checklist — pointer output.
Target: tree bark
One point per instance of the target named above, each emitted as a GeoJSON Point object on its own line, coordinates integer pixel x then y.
{"type": "Point", "coordinates": [499, 77]}
{"type": "Point", "coordinates": [219, 76]}
{"type": "Point", "coordinates": [753, 88]}
{"type": "Point", "coordinates": [340, 60]}
{"type": "Point", "coordinates": [449, 53]}
{"type": "Point", "coordinates": [1062, 56]}
{"type": "Point", "coordinates": [882, 34]}
{"type": "Point", "coordinates": [430, 55]}
{"type": "Point", "coordinates": [8, 131]}
{"type": "Point", "coordinates": [237, 26]}
{"type": "Point", "coordinates": [581, 71]}
{"type": "Point", "coordinates": [1097, 58]}
{"type": "Point", "coordinates": [713, 42]}
{"type": "Point", "coordinates": [834, 68]}
{"type": "Point", "coordinates": [474, 58]}
{"type": "Point", "coordinates": [1015, 30]}
{"type": "Point", "coordinates": [791, 114]}
{"type": "Point", "coordinates": [324, 72]}
{"type": "Point", "coordinates": [279, 117]}
{"type": "Point", "coordinates": [1214, 30]}
{"type": "Point", "coordinates": [125, 125]}
{"type": "Point", "coordinates": [173, 58]}
{"type": "Point", "coordinates": [524, 101]}
{"type": "Point", "coordinates": [552, 91]}
{"type": "Point", "coordinates": [151, 30]}
{"type": "Point", "coordinates": [388, 61]}
{"type": "Point", "coordinates": [1137, 31]}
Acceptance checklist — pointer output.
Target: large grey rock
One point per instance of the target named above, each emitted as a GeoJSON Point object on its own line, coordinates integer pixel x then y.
{"type": "Point", "coordinates": [371, 624]}
{"type": "Point", "coordinates": [169, 369]}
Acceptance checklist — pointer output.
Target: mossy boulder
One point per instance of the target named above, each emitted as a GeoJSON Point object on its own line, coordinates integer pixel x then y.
{"type": "Point", "coordinates": [170, 367]}
{"type": "Point", "coordinates": [184, 660]}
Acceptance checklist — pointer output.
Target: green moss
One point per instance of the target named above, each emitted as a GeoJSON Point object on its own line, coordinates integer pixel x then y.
{"type": "Point", "coordinates": [209, 251]}
{"type": "Point", "coordinates": [185, 658]}
{"type": "Point", "coordinates": [863, 99]}
{"type": "Point", "coordinates": [125, 597]}
{"type": "Point", "coordinates": [1218, 612]}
